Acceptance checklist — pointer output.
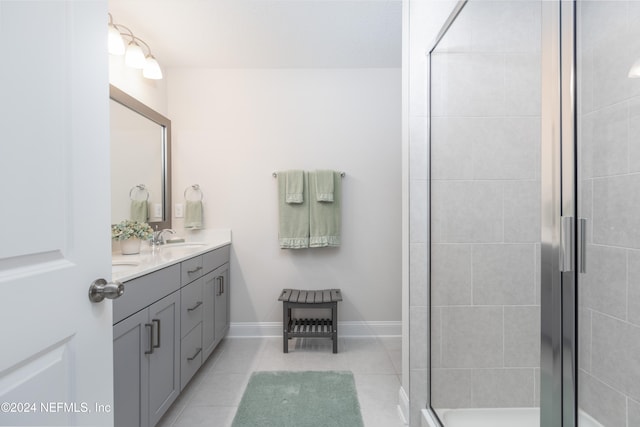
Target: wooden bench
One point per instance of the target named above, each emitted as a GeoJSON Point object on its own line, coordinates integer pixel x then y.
{"type": "Point", "coordinates": [310, 328]}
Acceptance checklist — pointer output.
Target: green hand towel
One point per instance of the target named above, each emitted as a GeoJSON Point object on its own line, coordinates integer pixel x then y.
{"type": "Point", "coordinates": [324, 186]}
{"type": "Point", "coordinates": [193, 214]}
{"type": "Point", "coordinates": [325, 218]}
{"type": "Point", "coordinates": [295, 186]}
{"type": "Point", "coordinates": [293, 218]}
{"type": "Point", "coordinates": [139, 210]}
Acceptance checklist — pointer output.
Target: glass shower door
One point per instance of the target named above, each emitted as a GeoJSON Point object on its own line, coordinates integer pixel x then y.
{"type": "Point", "coordinates": [485, 215]}
{"type": "Point", "coordinates": [608, 118]}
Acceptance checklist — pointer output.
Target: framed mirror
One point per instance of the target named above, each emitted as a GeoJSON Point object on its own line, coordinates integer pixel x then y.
{"type": "Point", "coordinates": [140, 161]}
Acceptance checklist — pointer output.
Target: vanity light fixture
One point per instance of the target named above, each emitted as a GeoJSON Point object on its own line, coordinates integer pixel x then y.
{"type": "Point", "coordinates": [134, 55]}
{"type": "Point", "coordinates": [116, 44]}
{"type": "Point", "coordinates": [634, 72]}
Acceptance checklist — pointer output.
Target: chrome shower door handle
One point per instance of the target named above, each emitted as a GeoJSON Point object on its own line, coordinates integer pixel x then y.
{"type": "Point", "coordinates": [100, 289]}
{"type": "Point", "coordinates": [582, 245]}
{"type": "Point", "coordinates": [567, 242]}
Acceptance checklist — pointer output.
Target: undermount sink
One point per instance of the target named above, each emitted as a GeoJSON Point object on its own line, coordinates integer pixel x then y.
{"type": "Point", "coordinates": [185, 245]}
{"type": "Point", "coordinates": [123, 265]}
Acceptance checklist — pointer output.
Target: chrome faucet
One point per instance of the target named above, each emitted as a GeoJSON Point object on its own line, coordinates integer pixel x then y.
{"type": "Point", "coordinates": [159, 238]}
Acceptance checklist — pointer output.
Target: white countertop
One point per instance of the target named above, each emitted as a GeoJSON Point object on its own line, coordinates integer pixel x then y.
{"type": "Point", "coordinates": [150, 259]}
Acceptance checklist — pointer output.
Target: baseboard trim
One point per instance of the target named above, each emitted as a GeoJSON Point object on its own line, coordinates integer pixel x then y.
{"type": "Point", "coordinates": [345, 329]}
{"type": "Point", "coordinates": [403, 406]}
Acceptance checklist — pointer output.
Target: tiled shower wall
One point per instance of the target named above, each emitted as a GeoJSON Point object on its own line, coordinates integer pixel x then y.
{"type": "Point", "coordinates": [609, 137]}
{"type": "Point", "coordinates": [485, 207]}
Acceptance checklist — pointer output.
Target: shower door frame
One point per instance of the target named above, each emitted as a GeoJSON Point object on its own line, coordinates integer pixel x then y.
{"type": "Point", "coordinates": [560, 255]}
{"type": "Point", "coordinates": [559, 223]}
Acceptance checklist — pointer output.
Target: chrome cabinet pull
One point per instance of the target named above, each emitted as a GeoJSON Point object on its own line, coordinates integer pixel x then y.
{"type": "Point", "coordinates": [190, 359]}
{"type": "Point", "coordinates": [194, 270]}
{"type": "Point", "coordinates": [157, 322]}
{"type": "Point", "coordinates": [220, 280]}
{"type": "Point", "coordinates": [198, 304]}
{"type": "Point", "coordinates": [150, 326]}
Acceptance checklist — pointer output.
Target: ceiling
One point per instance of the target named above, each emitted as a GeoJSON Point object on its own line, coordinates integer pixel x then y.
{"type": "Point", "coordinates": [266, 33]}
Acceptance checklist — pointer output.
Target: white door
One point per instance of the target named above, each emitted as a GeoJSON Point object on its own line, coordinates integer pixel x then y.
{"type": "Point", "coordinates": [55, 345]}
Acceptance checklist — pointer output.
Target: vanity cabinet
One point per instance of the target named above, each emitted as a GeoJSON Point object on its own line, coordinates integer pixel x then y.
{"type": "Point", "coordinates": [165, 326]}
{"type": "Point", "coordinates": [221, 304]}
{"type": "Point", "coordinates": [204, 309]}
{"type": "Point", "coordinates": [215, 322]}
{"type": "Point", "coordinates": [146, 353]}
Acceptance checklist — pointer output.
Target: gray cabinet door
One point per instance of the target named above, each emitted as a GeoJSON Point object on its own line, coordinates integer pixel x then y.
{"type": "Point", "coordinates": [164, 362]}
{"type": "Point", "coordinates": [208, 312]}
{"type": "Point", "coordinates": [222, 303]}
{"type": "Point", "coordinates": [131, 371]}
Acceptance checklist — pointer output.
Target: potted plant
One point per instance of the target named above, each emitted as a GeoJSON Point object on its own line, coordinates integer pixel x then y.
{"type": "Point", "coordinates": [130, 234]}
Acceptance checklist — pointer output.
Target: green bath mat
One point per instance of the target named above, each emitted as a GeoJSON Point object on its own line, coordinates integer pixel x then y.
{"type": "Point", "coordinates": [299, 399]}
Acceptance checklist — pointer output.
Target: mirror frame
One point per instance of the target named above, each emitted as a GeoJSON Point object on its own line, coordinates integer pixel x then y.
{"type": "Point", "coordinates": [133, 104]}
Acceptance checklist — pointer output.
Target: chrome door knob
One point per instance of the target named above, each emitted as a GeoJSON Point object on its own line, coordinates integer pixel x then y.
{"type": "Point", "coordinates": [100, 290]}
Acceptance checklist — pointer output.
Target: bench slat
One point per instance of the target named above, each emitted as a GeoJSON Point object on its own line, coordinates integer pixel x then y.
{"type": "Point", "coordinates": [311, 297]}
{"type": "Point", "coordinates": [326, 295]}
{"type": "Point", "coordinates": [302, 298]}
{"type": "Point", "coordinates": [294, 295]}
{"type": "Point", "coordinates": [284, 296]}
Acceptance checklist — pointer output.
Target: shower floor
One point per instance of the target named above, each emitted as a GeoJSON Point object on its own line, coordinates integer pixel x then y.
{"type": "Point", "coordinates": [498, 417]}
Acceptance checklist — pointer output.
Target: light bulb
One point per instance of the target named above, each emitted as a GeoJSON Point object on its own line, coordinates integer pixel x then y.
{"type": "Point", "coordinates": [634, 72]}
{"type": "Point", "coordinates": [116, 44]}
{"type": "Point", "coordinates": [151, 68]}
{"type": "Point", "coordinates": [134, 57]}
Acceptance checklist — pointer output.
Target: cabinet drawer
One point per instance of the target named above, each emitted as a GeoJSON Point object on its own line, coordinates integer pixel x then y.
{"type": "Point", "coordinates": [191, 306]}
{"type": "Point", "coordinates": [216, 258]}
{"type": "Point", "coordinates": [191, 269]}
{"type": "Point", "coordinates": [191, 355]}
{"type": "Point", "coordinates": [144, 291]}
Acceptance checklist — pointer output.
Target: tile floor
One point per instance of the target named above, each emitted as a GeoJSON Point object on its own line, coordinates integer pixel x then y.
{"type": "Point", "coordinates": [214, 393]}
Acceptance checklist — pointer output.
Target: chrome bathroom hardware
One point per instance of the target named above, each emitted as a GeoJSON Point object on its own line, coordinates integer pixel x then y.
{"type": "Point", "coordinates": [194, 188]}
{"type": "Point", "coordinates": [139, 188]}
{"type": "Point", "coordinates": [150, 326]}
{"type": "Point", "coordinates": [582, 245]}
{"type": "Point", "coordinates": [192, 358]}
{"type": "Point", "coordinates": [198, 304]}
{"type": "Point", "coordinates": [342, 174]}
{"type": "Point", "coordinates": [100, 289]}
{"type": "Point", "coordinates": [567, 242]}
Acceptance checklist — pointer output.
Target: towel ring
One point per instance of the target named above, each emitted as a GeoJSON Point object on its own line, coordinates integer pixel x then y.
{"type": "Point", "coordinates": [195, 188]}
{"type": "Point", "coordinates": [139, 187]}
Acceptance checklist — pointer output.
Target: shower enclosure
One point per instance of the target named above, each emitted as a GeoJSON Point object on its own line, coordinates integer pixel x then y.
{"type": "Point", "coordinates": [534, 267]}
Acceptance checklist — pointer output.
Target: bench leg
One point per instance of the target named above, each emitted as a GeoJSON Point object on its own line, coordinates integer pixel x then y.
{"type": "Point", "coordinates": [286, 314]}
{"type": "Point", "coordinates": [334, 323]}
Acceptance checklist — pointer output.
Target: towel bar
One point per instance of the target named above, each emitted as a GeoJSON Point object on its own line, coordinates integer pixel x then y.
{"type": "Point", "coordinates": [275, 174]}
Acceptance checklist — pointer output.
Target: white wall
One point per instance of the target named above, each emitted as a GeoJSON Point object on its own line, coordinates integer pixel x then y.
{"type": "Point", "coordinates": [233, 128]}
